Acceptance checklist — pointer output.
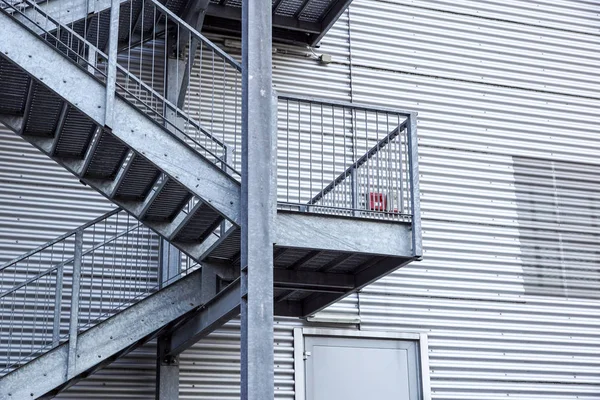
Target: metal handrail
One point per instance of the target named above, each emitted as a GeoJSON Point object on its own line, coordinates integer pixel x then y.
{"type": "Point", "coordinates": [346, 104]}
{"type": "Point", "coordinates": [198, 35]}
{"type": "Point", "coordinates": [358, 163]}
{"type": "Point", "coordinates": [70, 260]}
{"type": "Point", "coordinates": [60, 238]}
{"type": "Point", "coordinates": [131, 257]}
{"type": "Point", "coordinates": [319, 136]}
{"type": "Point", "coordinates": [168, 104]}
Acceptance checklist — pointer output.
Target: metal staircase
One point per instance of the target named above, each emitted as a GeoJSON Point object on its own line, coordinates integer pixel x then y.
{"type": "Point", "coordinates": [68, 307]}
{"type": "Point", "coordinates": [105, 92]}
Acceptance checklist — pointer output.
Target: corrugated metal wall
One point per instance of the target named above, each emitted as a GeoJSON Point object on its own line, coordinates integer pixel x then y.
{"type": "Point", "coordinates": [508, 100]}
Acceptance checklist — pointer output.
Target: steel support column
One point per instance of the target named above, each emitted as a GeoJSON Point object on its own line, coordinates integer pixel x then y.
{"type": "Point", "coordinates": [167, 366]}
{"type": "Point", "coordinates": [111, 79]}
{"type": "Point", "coordinates": [258, 205]}
{"type": "Point", "coordinates": [167, 371]}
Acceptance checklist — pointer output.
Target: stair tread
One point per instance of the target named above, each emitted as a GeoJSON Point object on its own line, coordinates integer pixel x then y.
{"type": "Point", "coordinates": [107, 158]}
{"type": "Point", "coordinates": [168, 203]}
{"type": "Point", "coordinates": [204, 221]}
{"type": "Point", "coordinates": [139, 179]}
{"type": "Point", "coordinates": [14, 85]}
{"type": "Point", "coordinates": [75, 135]}
{"type": "Point", "coordinates": [44, 112]}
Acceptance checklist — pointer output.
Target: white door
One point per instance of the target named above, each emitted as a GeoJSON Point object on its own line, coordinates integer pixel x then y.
{"type": "Point", "coordinates": [341, 368]}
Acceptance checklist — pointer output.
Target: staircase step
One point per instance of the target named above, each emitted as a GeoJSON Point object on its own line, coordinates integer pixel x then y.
{"type": "Point", "coordinates": [42, 116]}
{"type": "Point", "coordinates": [168, 201]}
{"type": "Point", "coordinates": [199, 225]}
{"type": "Point", "coordinates": [106, 157]}
{"type": "Point", "coordinates": [14, 85]}
{"type": "Point", "coordinates": [75, 136]}
{"type": "Point", "coordinates": [226, 249]}
{"type": "Point", "coordinates": [137, 180]}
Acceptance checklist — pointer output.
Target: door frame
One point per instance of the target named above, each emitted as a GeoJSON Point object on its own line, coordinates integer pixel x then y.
{"type": "Point", "coordinates": [300, 333]}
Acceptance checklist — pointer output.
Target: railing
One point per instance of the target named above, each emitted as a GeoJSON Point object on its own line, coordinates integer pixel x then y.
{"type": "Point", "coordinates": [61, 289]}
{"type": "Point", "coordinates": [150, 40]}
{"type": "Point", "coordinates": [345, 159]}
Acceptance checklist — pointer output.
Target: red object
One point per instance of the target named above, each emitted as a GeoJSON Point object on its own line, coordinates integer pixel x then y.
{"type": "Point", "coordinates": [377, 202]}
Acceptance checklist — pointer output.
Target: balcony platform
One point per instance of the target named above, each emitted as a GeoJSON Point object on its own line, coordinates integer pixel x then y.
{"type": "Point", "coordinates": [320, 259]}
{"type": "Point", "coordinates": [327, 258]}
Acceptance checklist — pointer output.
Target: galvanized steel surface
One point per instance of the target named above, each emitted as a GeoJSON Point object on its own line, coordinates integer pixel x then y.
{"type": "Point", "coordinates": [508, 289]}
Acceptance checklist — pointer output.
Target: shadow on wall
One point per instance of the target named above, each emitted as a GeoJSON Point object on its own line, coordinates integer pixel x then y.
{"type": "Point", "coordinates": [558, 209]}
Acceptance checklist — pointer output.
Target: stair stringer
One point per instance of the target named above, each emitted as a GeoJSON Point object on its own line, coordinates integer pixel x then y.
{"type": "Point", "coordinates": [76, 86]}
{"type": "Point", "coordinates": [98, 345]}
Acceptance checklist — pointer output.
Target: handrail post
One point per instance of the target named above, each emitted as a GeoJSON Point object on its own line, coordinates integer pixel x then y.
{"type": "Point", "coordinates": [413, 165]}
{"type": "Point", "coordinates": [354, 188]}
{"type": "Point", "coordinates": [57, 306]}
{"type": "Point", "coordinates": [111, 77]}
{"type": "Point", "coordinates": [74, 320]}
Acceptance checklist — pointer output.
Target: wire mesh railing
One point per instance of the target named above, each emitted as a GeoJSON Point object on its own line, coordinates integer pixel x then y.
{"type": "Point", "coordinates": [344, 159]}
{"type": "Point", "coordinates": [75, 282]}
{"type": "Point", "coordinates": [163, 66]}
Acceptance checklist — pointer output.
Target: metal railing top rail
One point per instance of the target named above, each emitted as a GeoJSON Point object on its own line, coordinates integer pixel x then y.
{"type": "Point", "coordinates": [69, 260]}
{"type": "Point", "coordinates": [230, 60]}
{"type": "Point", "coordinates": [358, 163]}
{"type": "Point", "coordinates": [90, 274]}
{"type": "Point", "coordinates": [222, 160]}
{"type": "Point", "coordinates": [347, 104]}
{"type": "Point", "coordinates": [60, 238]}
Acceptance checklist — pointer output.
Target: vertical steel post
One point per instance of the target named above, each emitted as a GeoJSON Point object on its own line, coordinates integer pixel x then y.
{"type": "Point", "coordinates": [57, 305]}
{"type": "Point", "coordinates": [413, 163]}
{"type": "Point", "coordinates": [167, 371]}
{"type": "Point", "coordinates": [257, 202]}
{"type": "Point", "coordinates": [169, 263]}
{"type": "Point", "coordinates": [111, 76]}
{"type": "Point", "coordinates": [167, 367]}
{"type": "Point", "coordinates": [74, 320]}
{"type": "Point", "coordinates": [354, 188]}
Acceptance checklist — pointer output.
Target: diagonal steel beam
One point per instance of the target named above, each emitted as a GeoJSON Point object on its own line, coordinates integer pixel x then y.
{"type": "Point", "coordinates": [224, 306]}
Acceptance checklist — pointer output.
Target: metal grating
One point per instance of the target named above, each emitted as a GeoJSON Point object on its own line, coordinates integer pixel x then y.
{"type": "Point", "coordinates": [204, 221]}
{"type": "Point", "coordinates": [14, 85]}
{"type": "Point", "coordinates": [309, 11]}
{"type": "Point", "coordinates": [107, 158]}
{"type": "Point", "coordinates": [294, 21]}
{"type": "Point", "coordinates": [315, 11]}
{"type": "Point", "coordinates": [138, 180]}
{"type": "Point", "coordinates": [229, 250]}
{"type": "Point", "coordinates": [43, 112]}
{"type": "Point", "coordinates": [168, 202]}
{"type": "Point", "coordinates": [75, 135]}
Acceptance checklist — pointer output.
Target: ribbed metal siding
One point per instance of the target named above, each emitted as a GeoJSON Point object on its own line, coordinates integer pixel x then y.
{"type": "Point", "coordinates": [507, 98]}
{"type": "Point", "coordinates": [39, 199]}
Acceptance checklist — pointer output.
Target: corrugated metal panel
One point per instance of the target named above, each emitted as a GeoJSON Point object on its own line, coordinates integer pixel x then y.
{"type": "Point", "coordinates": [508, 126]}
{"type": "Point", "coordinates": [474, 49]}
{"type": "Point", "coordinates": [39, 199]}
{"type": "Point", "coordinates": [567, 15]}
{"type": "Point", "coordinates": [507, 96]}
